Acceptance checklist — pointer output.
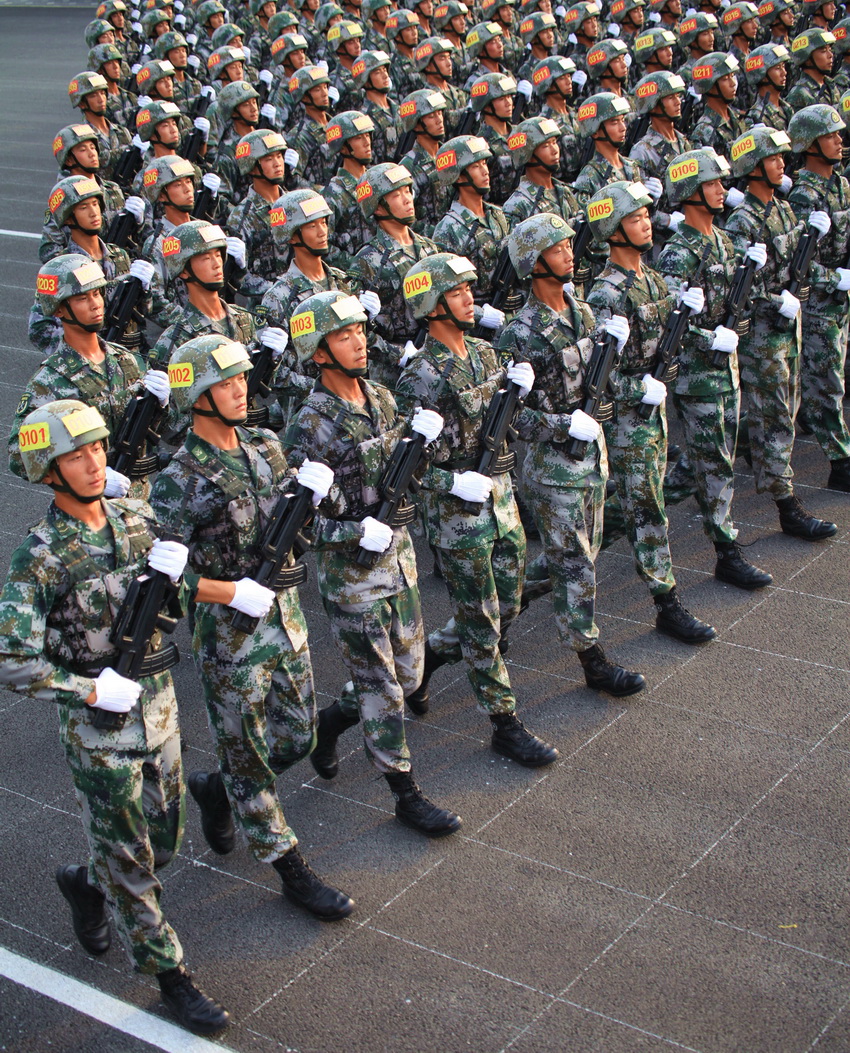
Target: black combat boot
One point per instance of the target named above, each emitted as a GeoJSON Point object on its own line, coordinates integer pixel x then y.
{"type": "Point", "coordinates": [418, 700]}
{"type": "Point", "coordinates": [839, 475]}
{"type": "Point", "coordinates": [414, 809]}
{"type": "Point", "coordinates": [308, 890]}
{"type": "Point", "coordinates": [88, 908]}
{"type": "Point", "coordinates": [675, 620]}
{"type": "Point", "coordinates": [732, 568]}
{"type": "Point", "coordinates": [332, 723]}
{"type": "Point", "coordinates": [512, 739]}
{"type": "Point", "coordinates": [797, 522]}
{"type": "Point", "coordinates": [195, 1010]}
{"type": "Point", "coordinates": [603, 675]}
{"type": "Point", "coordinates": [216, 818]}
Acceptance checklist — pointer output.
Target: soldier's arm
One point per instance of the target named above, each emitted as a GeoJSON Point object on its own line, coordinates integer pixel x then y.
{"type": "Point", "coordinates": [606, 301]}
{"type": "Point", "coordinates": [676, 268]}
{"type": "Point", "coordinates": [534, 422]}
{"type": "Point", "coordinates": [804, 201]}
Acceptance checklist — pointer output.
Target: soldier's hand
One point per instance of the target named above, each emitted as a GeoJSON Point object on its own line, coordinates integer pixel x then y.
{"type": "Point", "coordinates": [427, 423]}
{"type": "Point", "coordinates": [693, 299]}
{"type": "Point", "coordinates": [524, 87]}
{"type": "Point", "coordinates": [275, 339]}
{"type": "Point", "coordinates": [618, 327]}
{"type": "Point", "coordinates": [251, 598]}
{"type": "Point", "coordinates": [142, 147]}
{"type": "Point", "coordinates": [676, 220]}
{"type": "Point", "coordinates": [333, 94]}
{"type": "Point", "coordinates": [472, 486]}
{"type": "Point", "coordinates": [580, 78]}
{"type": "Point", "coordinates": [654, 187]}
{"type": "Point", "coordinates": [757, 253]}
{"type": "Point", "coordinates": [144, 271]}
{"type": "Point", "coordinates": [790, 306]}
{"type": "Point", "coordinates": [377, 536]}
{"type": "Point", "coordinates": [193, 61]}
{"type": "Point", "coordinates": [117, 485]}
{"type": "Point", "coordinates": [821, 222]}
{"type": "Point", "coordinates": [180, 21]}
{"type": "Point", "coordinates": [115, 693]}
{"type": "Point", "coordinates": [212, 182]}
{"type": "Point", "coordinates": [265, 75]}
{"type": "Point", "coordinates": [410, 351]}
{"type": "Point", "coordinates": [136, 207]}
{"type": "Point", "coordinates": [843, 279]}
{"type": "Point", "coordinates": [169, 557]}
{"type": "Point", "coordinates": [269, 112]}
{"type": "Point", "coordinates": [785, 185]}
{"type": "Point", "coordinates": [583, 427]}
{"type": "Point", "coordinates": [492, 317]}
{"type": "Point", "coordinates": [236, 249]}
{"type": "Point", "coordinates": [656, 390]}
{"type": "Point", "coordinates": [156, 382]}
{"type": "Point", "coordinates": [371, 303]}
{"type": "Point", "coordinates": [291, 157]}
{"type": "Point", "coordinates": [316, 477]}
{"type": "Point", "coordinates": [734, 197]}
{"type": "Point", "coordinates": [203, 126]}
{"type": "Point", "coordinates": [522, 374]}
{"type": "Point", "coordinates": [725, 340]}
{"type": "Point", "coordinates": [246, 54]}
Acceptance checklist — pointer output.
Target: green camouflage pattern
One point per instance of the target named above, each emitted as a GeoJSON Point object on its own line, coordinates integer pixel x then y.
{"type": "Point", "coordinates": [237, 324]}
{"type": "Point", "coordinates": [463, 233]}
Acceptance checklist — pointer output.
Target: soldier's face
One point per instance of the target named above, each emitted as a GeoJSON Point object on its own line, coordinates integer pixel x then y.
{"type": "Point", "coordinates": [348, 346]}
{"type": "Point", "coordinates": [400, 202]}
{"type": "Point", "coordinates": [822, 58]}
{"type": "Point", "coordinates": [616, 129]}
{"type": "Point", "coordinates": [617, 67]}
{"type": "Point", "coordinates": [425, 7]}
{"type": "Point", "coordinates": [231, 397]}
{"type": "Point", "coordinates": [635, 16]}
{"type": "Point", "coordinates": [443, 64]}
{"type": "Point", "coordinates": [728, 86]}
{"type": "Point", "coordinates": [788, 17]}
{"type": "Point", "coordinates": [96, 101]}
{"type": "Point", "coordinates": [479, 174]}
{"type": "Point", "coordinates": [410, 36]}
{"type": "Point", "coordinates": [560, 258]}
{"type": "Point", "coordinates": [458, 24]}
{"type": "Point", "coordinates": [504, 107]}
{"type": "Point", "coordinates": [249, 110]}
{"type": "Point", "coordinates": [461, 302]}
{"type": "Point", "coordinates": [565, 84]}
{"type": "Point", "coordinates": [638, 227]}
{"type": "Point", "coordinates": [380, 77]}
{"type": "Point", "coordinates": [361, 147]}
{"type": "Point", "coordinates": [106, 38]}
{"type": "Point", "coordinates": [828, 11]}
{"type": "Point", "coordinates": [168, 132]}
{"type": "Point", "coordinates": [208, 266]}
{"type": "Point", "coordinates": [273, 166]}
{"type": "Point", "coordinates": [178, 57]}
{"type": "Point", "coordinates": [495, 49]}
{"type": "Point", "coordinates": [705, 40]}
{"type": "Point", "coordinates": [267, 10]}
{"type": "Point", "coordinates": [84, 470]}
{"type": "Point", "coordinates": [506, 15]}
{"type": "Point", "coordinates": [750, 28]}
{"type": "Point", "coordinates": [545, 6]}
{"type": "Point", "coordinates": [165, 88]}
{"type": "Point", "coordinates": [714, 193]}
{"type": "Point", "coordinates": [181, 192]}
{"type": "Point", "coordinates": [664, 57]}
{"type": "Point", "coordinates": [318, 96]}
{"type": "Point", "coordinates": [433, 124]}
{"type": "Point", "coordinates": [85, 155]}
{"type": "Point", "coordinates": [214, 21]}
{"type": "Point", "coordinates": [590, 28]}
{"type": "Point", "coordinates": [111, 70]}
{"type": "Point", "coordinates": [87, 307]}
{"type": "Point", "coordinates": [297, 58]}
{"type": "Point", "coordinates": [831, 145]}
{"type": "Point", "coordinates": [778, 75]}
{"type": "Point", "coordinates": [88, 214]}
{"type": "Point", "coordinates": [315, 234]}
{"type": "Point", "coordinates": [233, 71]}
{"type": "Point", "coordinates": [549, 153]}
{"type": "Point", "coordinates": [674, 7]}
{"type": "Point", "coordinates": [160, 29]}
{"type": "Point", "coordinates": [774, 167]}
{"type": "Point", "coordinates": [546, 38]}
{"type": "Point", "coordinates": [672, 105]}
{"type": "Point", "coordinates": [117, 19]}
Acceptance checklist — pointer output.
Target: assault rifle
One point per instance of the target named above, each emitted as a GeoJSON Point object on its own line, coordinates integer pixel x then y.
{"type": "Point", "coordinates": [127, 167]}
{"type": "Point", "coordinates": [466, 124]}
{"type": "Point", "coordinates": [581, 243]}
{"type": "Point", "coordinates": [405, 145]}
{"type": "Point", "coordinates": [497, 429]}
{"type": "Point", "coordinates": [192, 145]}
{"type": "Point", "coordinates": [139, 426]}
{"type": "Point", "coordinates": [688, 117]}
{"type": "Point", "coordinates": [121, 230]}
{"type": "Point", "coordinates": [637, 130]}
{"type": "Point", "coordinates": [263, 365]}
{"type": "Point", "coordinates": [122, 308]}
{"type": "Point", "coordinates": [807, 246]}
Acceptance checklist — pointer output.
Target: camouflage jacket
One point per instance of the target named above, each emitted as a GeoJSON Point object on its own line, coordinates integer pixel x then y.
{"type": "Point", "coordinates": [386, 134]}
{"type": "Point", "coordinates": [503, 174]}
{"type": "Point", "coordinates": [356, 442]}
{"type": "Point", "coordinates": [714, 131]}
{"type": "Point", "coordinates": [351, 230]}
{"type": "Point", "coordinates": [807, 92]}
{"type": "Point", "coordinates": [432, 197]}
{"type": "Point", "coordinates": [186, 92]}
{"type": "Point", "coordinates": [763, 111]}
{"type": "Point", "coordinates": [529, 199]}
{"type": "Point", "coordinates": [250, 221]}
{"type": "Point", "coordinates": [308, 138]}
{"type": "Point", "coordinates": [568, 141]}
{"type": "Point", "coordinates": [462, 232]}
{"type": "Point", "coordinates": [403, 74]}
{"type": "Point", "coordinates": [463, 400]}
{"type": "Point", "coordinates": [55, 239]}
{"type": "Point", "coordinates": [809, 194]}
{"type": "Point", "coordinates": [121, 108]}
{"type": "Point", "coordinates": [381, 265]}
{"type": "Point", "coordinates": [110, 145]}
{"type": "Point", "coordinates": [65, 585]}
{"type": "Point", "coordinates": [168, 295]}
{"type": "Point", "coordinates": [350, 96]}
{"type": "Point", "coordinates": [653, 153]}
{"type": "Point", "coordinates": [598, 173]}
{"type": "Point", "coordinates": [237, 324]}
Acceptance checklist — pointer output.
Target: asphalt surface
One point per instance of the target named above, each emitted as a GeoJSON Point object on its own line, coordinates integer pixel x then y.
{"type": "Point", "coordinates": [677, 881]}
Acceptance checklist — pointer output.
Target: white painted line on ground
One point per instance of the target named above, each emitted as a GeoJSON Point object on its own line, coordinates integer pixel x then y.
{"type": "Point", "coordinates": [19, 233]}
{"type": "Point", "coordinates": [89, 1001]}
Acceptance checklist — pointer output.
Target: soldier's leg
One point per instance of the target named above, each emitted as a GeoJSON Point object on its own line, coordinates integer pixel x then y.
{"type": "Point", "coordinates": [164, 803]}
{"type": "Point", "coordinates": [408, 638]}
{"type": "Point", "coordinates": [291, 701]}
{"type": "Point", "coordinates": [766, 377]}
{"type": "Point", "coordinates": [508, 561]}
{"type": "Point", "coordinates": [711, 428]}
{"type": "Point", "coordinates": [822, 380]}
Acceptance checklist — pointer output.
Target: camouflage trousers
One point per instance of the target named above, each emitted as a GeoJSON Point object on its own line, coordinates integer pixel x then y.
{"type": "Point", "coordinates": [570, 523]}
{"type": "Point", "coordinates": [133, 815]}
{"type": "Point", "coordinates": [485, 586]}
{"type": "Point", "coordinates": [382, 643]}
{"type": "Point", "coordinates": [825, 328]}
{"type": "Point", "coordinates": [637, 470]}
{"type": "Point", "coordinates": [262, 713]}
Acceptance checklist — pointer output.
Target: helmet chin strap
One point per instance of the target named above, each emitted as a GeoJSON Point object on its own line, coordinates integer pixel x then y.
{"type": "Point", "coordinates": [547, 271]}
{"type": "Point", "coordinates": [535, 162]}
{"type": "Point", "coordinates": [362, 371]}
{"type": "Point", "coordinates": [406, 221]}
{"type": "Point", "coordinates": [420, 130]}
{"type": "Point", "coordinates": [258, 173]}
{"type": "Point", "coordinates": [701, 202]}
{"type": "Point", "coordinates": [763, 178]}
{"type": "Point", "coordinates": [606, 137]}
{"type": "Point", "coordinates": [209, 286]}
{"type": "Point", "coordinates": [301, 244]}
{"type": "Point", "coordinates": [87, 327]}
{"type": "Point", "coordinates": [818, 152]}
{"type": "Point", "coordinates": [231, 422]}
{"type": "Point", "coordinates": [449, 316]}
{"type": "Point", "coordinates": [64, 487]}
{"type": "Point", "coordinates": [481, 191]}
{"type": "Point", "coordinates": [180, 208]}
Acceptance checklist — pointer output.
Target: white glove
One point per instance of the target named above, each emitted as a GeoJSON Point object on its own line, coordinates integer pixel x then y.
{"type": "Point", "coordinates": [144, 147]}
{"type": "Point", "coordinates": [169, 557]}
{"type": "Point", "coordinates": [654, 17]}
{"type": "Point", "coordinates": [291, 158]}
{"type": "Point", "coordinates": [193, 60]}
{"type": "Point", "coordinates": [470, 486]}
{"type": "Point", "coordinates": [521, 373]}
{"type": "Point", "coordinates": [614, 30]}
{"type": "Point", "coordinates": [583, 427]}
{"type": "Point", "coordinates": [843, 279]}
{"type": "Point", "coordinates": [180, 20]}
{"type": "Point", "coordinates": [268, 111]}
{"type": "Point", "coordinates": [136, 27]}
{"type": "Point", "coordinates": [821, 222]}
{"type": "Point", "coordinates": [274, 338]}
{"type": "Point", "coordinates": [790, 305]}
{"type": "Point", "coordinates": [676, 220]}
{"type": "Point", "coordinates": [725, 340]}
{"type": "Point", "coordinates": [690, 12]}
{"type": "Point", "coordinates": [323, 65]}
{"type": "Point", "coordinates": [694, 93]}
{"type": "Point", "coordinates": [656, 391]}
{"type": "Point", "coordinates": [371, 303]}
{"type": "Point", "coordinates": [246, 54]}
{"type": "Point", "coordinates": [492, 317]}
{"type": "Point", "coordinates": [757, 253]}
{"type": "Point", "coordinates": [655, 187]}
{"type": "Point", "coordinates": [734, 197]}
{"type": "Point", "coordinates": [156, 382]}
{"type": "Point", "coordinates": [178, 5]}
{"type": "Point", "coordinates": [333, 94]}
{"type": "Point", "coordinates": [410, 351]}
{"type": "Point", "coordinates": [693, 299]}
{"type": "Point", "coordinates": [117, 485]}
{"type": "Point", "coordinates": [524, 87]}
{"type": "Point", "coordinates": [579, 78]}
{"type": "Point", "coordinates": [377, 536]}
{"type": "Point", "coordinates": [572, 39]}
{"type": "Point", "coordinates": [115, 693]}
{"type": "Point", "coordinates": [628, 61]}
{"type": "Point", "coordinates": [135, 14]}
{"type": "Point", "coordinates": [144, 100]}
{"type": "Point", "coordinates": [569, 287]}
{"type": "Point", "coordinates": [785, 184]}
{"type": "Point", "coordinates": [236, 249]}
{"type": "Point", "coordinates": [142, 270]}
{"type": "Point", "coordinates": [212, 182]}
{"type": "Point", "coordinates": [427, 423]}
{"type": "Point", "coordinates": [316, 477]}
{"type": "Point", "coordinates": [618, 327]}
{"type": "Point", "coordinates": [192, 40]}
{"type": "Point", "coordinates": [203, 126]}
{"type": "Point", "coordinates": [265, 75]}
{"type": "Point", "coordinates": [252, 598]}
{"type": "Point", "coordinates": [134, 69]}
{"type": "Point", "coordinates": [561, 11]}
{"type": "Point", "coordinates": [136, 207]}
{"type": "Point", "coordinates": [208, 91]}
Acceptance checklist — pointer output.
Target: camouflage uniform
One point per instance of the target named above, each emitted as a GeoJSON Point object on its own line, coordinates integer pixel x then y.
{"type": "Point", "coordinates": [503, 175]}
{"type": "Point", "coordinates": [56, 240]}
{"type": "Point", "coordinates": [714, 131]}
{"type": "Point", "coordinates": [308, 138]}
{"type": "Point", "coordinates": [351, 229]}
{"type": "Point", "coordinates": [465, 234]}
{"type": "Point", "coordinates": [432, 197]}
{"type": "Point", "coordinates": [763, 111]}
{"type": "Point", "coordinates": [568, 140]}
{"type": "Point", "coordinates": [653, 153]}
{"type": "Point", "coordinates": [237, 324]}
{"type": "Point", "coordinates": [597, 172]}
{"type": "Point", "coordinates": [250, 221]}
{"type": "Point", "coordinates": [110, 145]}
{"type": "Point", "coordinates": [528, 199]}
{"type": "Point", "coordinates": [807, 92]}
{"type": "Point", "coordinates": [168, 295]}
{"type": "Point", "coordinates": [386, 134]}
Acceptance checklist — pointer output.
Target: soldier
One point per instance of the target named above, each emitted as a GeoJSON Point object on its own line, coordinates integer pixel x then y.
{"type": "Point", "coordinates": [654, 51]}
{"type": "Point", "coordinates": [582, 22]}
{"type": "Point", "coordinates": [289, 54]}
{"type": "Point", "coordinates": [309, 99]}
{"type": "Point", "coordinates": [628, 16]}
{"type": "Point", "coordinates": [769, 354]}
{"type": "Point", "coordinates": [209, 15]}
{"type": "Point", "coordinates": [766, 71]}
{"type": "Point", "coordinates": [602, 118]}
{"type": "Point", "coordinates": [88, 91]}
{"type": "Point", "coordinates": [492, 96]}
{"type": "Point", "coordinates": [482, 551]}
{"type": "Point", "coordinates": [157, 125]}
{"type": "Point", "coordinates": [237, 114]}
{"type": "Point", "coordinates": [811, 53]}
{"type": "Point", "coordinates": [349, 138]}
{"type": "Point", "coordinates": [707, 395]}
{"type": "Point", "coordinates": [115, 12]}
{"type": "Point", "coordinates": [485, 46]}
{"type": "Point", "coordinates": [374, 610]}
{"type": "Point", "coordinates": [371, 74]}
{"type": "Point", "coordinates": [422, 113]}
{"type": "Point", "coordinates": [697, 34]}
{"type": "Point", "coordinates": [121, 105]}
{"type": "Point", "coordinates": [226, 65]}
{"type": "Point", "coordinates": [715, 79]}
{"type": "Point", "coordinates": [778, 17]}
{"type": "Point", "coordinates": [502, 13]}
{"type": "Point", "coordinates": [565, 493]}
{"type": "Point", "coordinates": [608, 69]}
{"type": "Point", "coordinates": [375, 14]}
{"type": "Point", "coordinates": [65, 585]}
{"type": "Point", "coordinates": [174, 47]}
{"type": "Point", "coordinates": [217, 494]}
{"type": "Point", "coordinates": [816, 133]}
{"type": "Point", "coordinates": [637, 448]}
{"type": "Point", "coordinates": [344, 41]}
{"type": "Point", "coordinates": [740, 24]}
{"type": "Point", "coordinates": [403, 36]}
{"type": "Point", "coordinates": [155, 80]}
{"type": "Point", "coordinates": [433, 60]}
{"type": "Point", "coordinates": [537, 32]}
{"type": "Point", "coordinates": [841, 48]}
{"type": "Point", "coordinates": [535, 149]}
{"type": "Point", "coordinates": [553, 84]}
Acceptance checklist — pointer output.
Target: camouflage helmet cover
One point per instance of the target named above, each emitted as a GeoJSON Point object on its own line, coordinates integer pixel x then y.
{"type": "Point", "coordinates": [319, 315]}
{"type": "Point", "coordinates": [611, 204]}
{"type": "Point", "coordinates": [400, 20]}
{"type": "Point", "coordinates": [424, 52]}
{"type": "Point", "coordinates": [528, 135]}
{"type": "Point", "coordinates": [366, 63]}
{"type": "Point", "coordinates": [458, 154]}
{"type": "Point", "coordinates": [161, 172]}
{"type": "Point", "coordinates": [735, 15]}
{"type": "Point", "coordinates": [295, 210]}
{"type": "Point", "coordinates": [342, 32]}
{"type": "Point", "coordinates": [153, 114]}
{"type": "Point", "coordinates": [762, 59]}
{"type": "Point", "coordinates": [256, 144]}
{"type": "Point", "coordinates": [345, 126]}
{"type": "Point", "coordinates": [690, 28]}
{"type": "Point", "coordinates": [548, 70]}
{"type": "Point", "coordinates": [601, 55]}
{"type": "Point", "coordinates": [202, 362]}
{"type": "Point", "coordinates": [378, 181]}
{"type": "Point", "coordinates": [70, 192]}
{"type": "Point", "coordinates": [770, 10]}
{"type": "Point", "coordinates": [64, 276]}
{"type": "Point", "coordinates": [69, 137]}
{"type": "Point", "coordinates": [805, 44]}
{"type": "Point", "coordinates": [84, 84]}
{"type": "Point", "coordinates": [534, 24]}
{"type": "Point", "coordinates": [842, 40]}
{"type": "Point", "coordinates": [812, 122]}
{"type": "Point", "coordinates": [324, 14]}
{"type": "Point", "coordinates": [280, 22]}
{"type": "Point", "coordinates": [444, 13]}
{"type": "Point", "coordinates": [620, 8]}
{"type": "Point", "coordinates": [227, 32]}
{"type": "Point", "coordinates": [54, 429]}
{"type": "Point", "coordinates": [233, 95]}
{"type": "Point", "coordinates": [710, 68]}
{"type": "Point", "coordinates": [651, 41]}
{"type": "Point", "coordinates": [283, 46]}
{"type": "Point", "coordinates": [654, 87]}
{"type": "Point", "coordinates": [223, 57]}
{"type": "Point", "coordinates": [759, 143]}
{"type": "Point", "coordinates": [479, 36]}
{"type": "Point", "coordinates": [153, 71]}
{"type": "Point", "coordinates": [599, 108]}
{"type": "Point", "coordinates": [302, 80]}
{"type": "Point", "coordinates": [432, 277]}
{"type": "Point", "coordinates": [686, 173]}
{"type": "Point", "coordinates": [420, 103]}
{"type": "Point", "coordinates": [490, 87]}
{"type": "Point", "coordinates": [95, 30]}
{"type": "Point", "coordinates": [533, 236]}
{"type": "Point", "coordinates": [102, 53]}
{"type": "Point", "coordinates": [168, 42]}
{"type": "Point", "coordinates": [190, 239]}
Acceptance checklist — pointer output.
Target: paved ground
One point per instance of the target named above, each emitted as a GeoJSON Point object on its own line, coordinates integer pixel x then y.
{"type": "Point", "coordinates": [677, 881]}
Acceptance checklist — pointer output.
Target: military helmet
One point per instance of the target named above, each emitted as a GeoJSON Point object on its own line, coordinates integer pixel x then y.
{"type": "Point", "coordinates": [366, 63]}
{"type": "Point", "coordinates": [295, 210]}
{"type": "Point", "coordinates": [233, 95]}
{"type": "Point", "coordinates": [190, 239]}
{"type": "Point", "coordinates": [533, 236]}
{"type": "Point", "coordinates": [651, 41]}
{"type": "Point", "coordinates": [302, 80]}
{"type": "Point", "coordinates": [528, 135]}
{"type": "Point", "coordinates": [803, 45]}
{"type": "Point", "coordinates": [458, 154]}
{"type": "Point", "coordinates": [152, 115]}
{"type": "Point", "coordinates": [601, 55]}
{"type": "Point", "coordinates": [168, 42]}
{"type": "Point", "coordinates": [102, 53]}
{"type": "Point", "coordinates": [654, 87]}
{"type": "Point", "coordinates": [530, 27]}
{"type": "Point", "coordinates": [690, 28]}
{"type": "Point", "coordinates": [256, 6]}
{"type": "Point", "coordinates": [202, 362]}
{"type": "Point", "coordinates": [432, 277]}
{"type": "Point", "coordinates": [488, 6]}
{"type": "Point", "coordinates": [109, 8]}
{"type": "Point", "coordinates": [378, 181]}
{"type": "Point", "coordinates": [280, 22]}
{"type": "Point", "coordinates": [151, 19]}
{"type": "Point", "coordinates": [759, 143]}
{"type": "Point", "coordinates": [84, 84]}
{"type": "Point", "coordinates": [548, 70]}
{"type": "Point", "coordinates": [205, 11]}
{"type": "Point", "coordinates": [427, 49]}
{"type": "Point", "coordinates": [735, 15]}
{"type": "Point", "coordinates": [318, 316]}
{"type": "Point", "coordinates": [581, 12]}
{"type": "Point", "coordinates": [621, 8]}
{"type": "Point", "coordinates": [223, 57]}
{"type": "Point", "coordinates": [70, 192]}
{"type": "Point", "coordinates": [488, 88]}
{"type": "Point", "coordinates": [613, 203]}
{"type": "Point", "coordinates": [400, 20]}
{"type": "Point", "coordinates": [95, 30]}
{"type": "Point", "coordinates": [844, 108]}
{"type": "Point", "coordinates": [479, 36]}
{"type": "Point", "coordinates": [369, 7]}
{"type": "Point", "coordinates": [812, 122]}
{"type": "Point", "coordinates": [256, 144]}
{"type": "Point", "coordinates": [686, 173]}
{"type": "Point", "coordinates": [226, 32]}
{"type": "Point", "coordinates": [342, 32]}
{"type": "Point", "coordinates": [770, 10]}
{"type": "Point", "coordinates": [444, 13]}
{"type": "Point", "coordinates": [69, 137]}
{"type": "Point", "coordinates": [283, 46]}
{"type": "Point", "coordinates": [161, 172]}
{"type": "Point", "coordinates": [418, 104]}
{"type": "Point", "coordinates": [710, 68]}
{"type": "Point", "coordinates": [64, 276]}
{"type": "Point", "coordinates": [762, 59]}
{"type": "Point", "coordinates": [56, 428]}
{"type": "Point", "coordinates": [324, 14]}
{"type": "Point", "coordinates": [153, 71]}
{"type": "Point", "coordinates": [842, 41]}
{"type": "Point", "coordinates": [598, 109]}
{"type": "Point", "coordinates": [345, 126]}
